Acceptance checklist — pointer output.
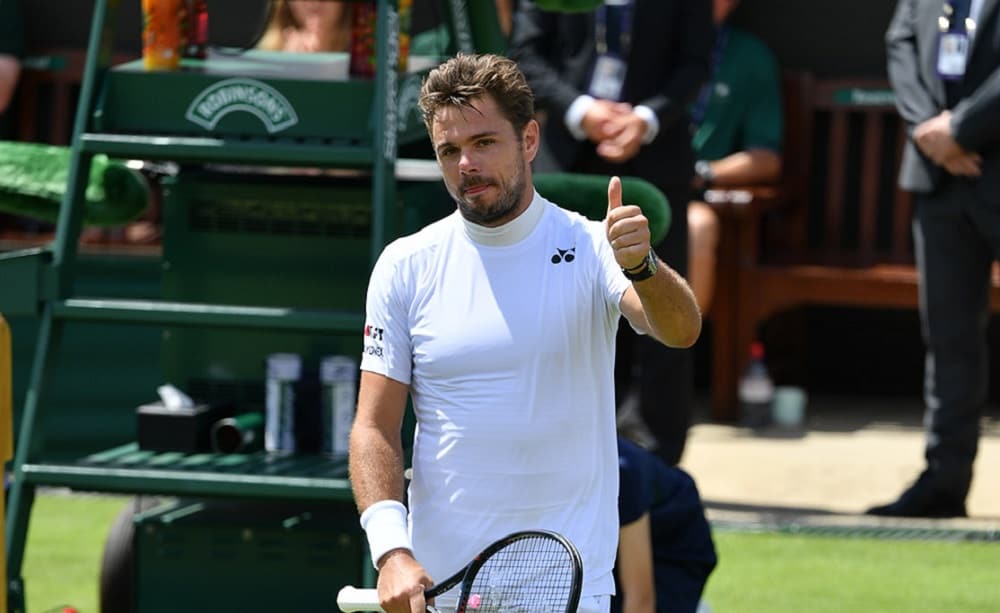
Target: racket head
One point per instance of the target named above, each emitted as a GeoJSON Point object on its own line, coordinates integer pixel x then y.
{"type": "Point", "coordinates": [531, 571]}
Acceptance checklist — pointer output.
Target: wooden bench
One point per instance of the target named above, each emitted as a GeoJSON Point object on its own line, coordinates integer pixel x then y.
{"type": "Point", "coordinates": [835, 232]}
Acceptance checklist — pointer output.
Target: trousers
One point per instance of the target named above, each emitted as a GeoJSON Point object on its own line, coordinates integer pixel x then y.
{"type": "Point", "coordinates": [956, 233]}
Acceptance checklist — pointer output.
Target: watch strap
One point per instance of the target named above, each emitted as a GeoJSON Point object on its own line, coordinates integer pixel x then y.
{"type": "Point", "coordinates": [644, 270]}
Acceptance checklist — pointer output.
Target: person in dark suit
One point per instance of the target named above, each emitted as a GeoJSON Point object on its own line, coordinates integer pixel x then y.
{"type": "Point", "coordinates": [616, 84]}
{"type": "Point", "coordinates": [942, 63]}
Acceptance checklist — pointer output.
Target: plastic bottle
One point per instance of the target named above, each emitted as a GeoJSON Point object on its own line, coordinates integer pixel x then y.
{"type": "Point", "coordinates": [162, 35]}
{"type": "Point", "coordinates": [338, 376]}
{"type": "Point", "coordinates": [363, 52]}
{"type": "Point", "coordinates": [756, 390]}
{"type": "Point", "coordinates": [196, 39]}
{"type": "Point", "coordinates": [283, 373]}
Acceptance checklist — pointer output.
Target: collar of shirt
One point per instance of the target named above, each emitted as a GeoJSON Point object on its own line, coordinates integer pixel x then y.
{"type": "Point", "coordinates": [510, 233]}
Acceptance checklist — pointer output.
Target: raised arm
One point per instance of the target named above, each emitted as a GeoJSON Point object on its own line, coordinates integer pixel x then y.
{"type": "Point", "coordinates": [662, 305]}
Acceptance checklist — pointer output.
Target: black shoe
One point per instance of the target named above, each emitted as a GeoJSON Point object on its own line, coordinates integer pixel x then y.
{"type": "Point", "coordinates": [923, 499]}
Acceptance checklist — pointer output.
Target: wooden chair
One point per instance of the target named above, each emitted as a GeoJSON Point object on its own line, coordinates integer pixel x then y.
{"type": "Point", "coordinates": [843, 237]}
{"type": "Point", "coordinates": [740, 211]}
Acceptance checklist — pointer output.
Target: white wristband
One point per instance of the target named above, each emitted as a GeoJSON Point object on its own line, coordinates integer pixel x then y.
{"type": "Point", "coordinates": [385, 524]}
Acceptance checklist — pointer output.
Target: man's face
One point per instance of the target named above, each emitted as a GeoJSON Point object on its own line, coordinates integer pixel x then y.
{"type": "Point", "coordinates": [324, 14]}
{"type": "Point", "coordinates": [484, 163]}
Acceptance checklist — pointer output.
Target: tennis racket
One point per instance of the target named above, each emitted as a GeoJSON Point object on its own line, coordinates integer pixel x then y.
{"type": "Point", "coordinates": [534, 571]}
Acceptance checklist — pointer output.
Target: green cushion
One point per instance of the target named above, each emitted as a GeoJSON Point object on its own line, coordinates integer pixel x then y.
{"type": "Point", "coordinates": [588, 195]}
{"type": "Point", "coordinates": [568, 6]}
{"type": "Point", "coordinates": [33, 179]}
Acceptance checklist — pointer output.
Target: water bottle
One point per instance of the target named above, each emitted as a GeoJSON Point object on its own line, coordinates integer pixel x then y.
{"type": "Point", "coordinates": [756, 390]}
{"type": "Point", "coordinates": [196, 38]}
{"type": "Point", "coordinates": [283, 373]}
{"type": "Point", "coordinates": [338, 375]}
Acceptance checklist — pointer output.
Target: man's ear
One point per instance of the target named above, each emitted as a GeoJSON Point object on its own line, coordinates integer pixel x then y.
{"type": "Point", "coordinates": [531, 138]}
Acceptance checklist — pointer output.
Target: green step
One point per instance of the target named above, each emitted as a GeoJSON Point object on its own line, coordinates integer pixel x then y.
{"type": "Point", "coordinates": [157, 312]}
{"type": "Point", "coordinates": [229, 150]}
{"type": "Point", "coordinates": [128, 469]}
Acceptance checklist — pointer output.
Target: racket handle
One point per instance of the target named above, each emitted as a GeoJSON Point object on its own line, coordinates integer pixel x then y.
{"type": "Point", "coordinates": [357, 599]}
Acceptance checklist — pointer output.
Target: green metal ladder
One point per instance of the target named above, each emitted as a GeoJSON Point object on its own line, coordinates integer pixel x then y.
{"type": "Point", "coordinates": [44, 278]}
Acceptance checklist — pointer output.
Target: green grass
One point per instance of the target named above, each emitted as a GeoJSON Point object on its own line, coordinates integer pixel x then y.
{"type": "Point", "coordinates": [771, 573]}
{"type": "Point", "coordinates": [781, 572]}
{"type": "Point", "coordinates": [63, 557]}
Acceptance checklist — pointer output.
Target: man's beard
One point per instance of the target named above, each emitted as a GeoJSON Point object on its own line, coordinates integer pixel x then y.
{"type": "Point", "coordinates": [506, 202]}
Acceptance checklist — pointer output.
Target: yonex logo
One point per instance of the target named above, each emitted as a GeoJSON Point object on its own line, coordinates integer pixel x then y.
{"type": "Point", "coordinates": [248, 95]}
{"type": "Point", "coordinates": [564, 255]}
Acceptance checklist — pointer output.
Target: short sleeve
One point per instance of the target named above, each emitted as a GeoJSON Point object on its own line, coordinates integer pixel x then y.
{"type": "Point", "coordinates": [764, 124]}
{"type": "Point", "coordinates": [387, 347]}
{"type": "Point", "coordinates": [613, 281]}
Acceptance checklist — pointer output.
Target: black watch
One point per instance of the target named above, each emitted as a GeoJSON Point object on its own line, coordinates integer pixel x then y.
{"type": "Point", "coordinates": [644, 270]}
{"type": "Point", "coordinates": [703, 169]}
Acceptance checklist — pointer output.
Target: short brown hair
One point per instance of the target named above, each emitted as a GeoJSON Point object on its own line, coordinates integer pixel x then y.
{"type": "Point", "coordinates": [465, 78]}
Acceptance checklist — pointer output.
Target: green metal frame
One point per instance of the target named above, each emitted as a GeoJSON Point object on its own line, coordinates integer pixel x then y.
{"type": "Point", "coordinates": [48, 275]}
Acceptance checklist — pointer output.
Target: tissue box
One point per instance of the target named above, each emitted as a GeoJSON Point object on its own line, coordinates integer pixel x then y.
{"type": "Point", "coordinates": [184, 429]}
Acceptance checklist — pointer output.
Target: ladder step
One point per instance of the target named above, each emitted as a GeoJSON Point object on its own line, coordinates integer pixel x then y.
{"type": "Point", "coordinates": [230, 151]}
{"type": "Point", "coordinates": [211, 480]}
{"type": "Point", "coordinates": [155, 312]}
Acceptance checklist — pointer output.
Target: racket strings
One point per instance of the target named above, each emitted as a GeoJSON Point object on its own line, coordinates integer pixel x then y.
{"type": "Point", "coordinates": [529, 575]}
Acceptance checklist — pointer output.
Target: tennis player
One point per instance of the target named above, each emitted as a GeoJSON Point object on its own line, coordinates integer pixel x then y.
{"type": "Point", "coordinates": [499, 322]}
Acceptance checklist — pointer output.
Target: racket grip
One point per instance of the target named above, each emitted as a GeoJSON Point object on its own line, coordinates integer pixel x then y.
{"type": "Point", "coordinates": [357, 599]}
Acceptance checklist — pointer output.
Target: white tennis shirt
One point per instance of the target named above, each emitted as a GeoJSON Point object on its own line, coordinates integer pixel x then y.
{"type": "Point", "coordinates": [509, 355]}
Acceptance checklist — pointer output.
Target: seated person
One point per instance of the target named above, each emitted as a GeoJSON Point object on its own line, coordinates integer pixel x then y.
{"type": "Point", "coordinates": [308, 26]}
{"type": "Point", "coordinates": [665, 548]}
{"type": "Point", "coordinates": [738, 139]}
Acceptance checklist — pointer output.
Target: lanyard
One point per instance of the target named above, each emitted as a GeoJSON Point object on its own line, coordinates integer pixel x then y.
{"type": "Point", "coordinates": [956, 16]}
{"type": "Point", "coordinates": [624, 11]}
{"type": "Point", "coordinates": [700, 106]}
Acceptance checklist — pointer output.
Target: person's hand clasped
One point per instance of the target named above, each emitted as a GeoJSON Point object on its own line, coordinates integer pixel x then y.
{"type": "Point", "coordinates": [628, 131]}
{"type": "Point", "coordinates": [627, 228]}
{"type": "Point", "coordinates": [935, 140]}
{"type": "Point", "coordinates": [602, 120]}
{"type": "Point", "coordinates": [401, 583]}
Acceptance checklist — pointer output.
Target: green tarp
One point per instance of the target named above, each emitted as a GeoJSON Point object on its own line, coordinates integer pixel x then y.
{"type": "Point", "coordinates": [33, 181]}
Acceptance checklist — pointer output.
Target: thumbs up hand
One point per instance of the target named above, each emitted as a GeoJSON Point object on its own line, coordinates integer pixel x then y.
{"type": "Point", "coordinates": [627, 228]}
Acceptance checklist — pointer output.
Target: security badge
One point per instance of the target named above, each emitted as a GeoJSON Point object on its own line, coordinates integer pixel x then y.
{"type": "Point", "coordinates": [953, 46]}
{"type": "Point", "coordinates": [609, 77]}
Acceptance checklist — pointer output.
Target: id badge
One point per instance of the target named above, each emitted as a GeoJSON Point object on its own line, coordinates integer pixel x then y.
{"type": "Point", "coordinates": [608, 78]}
{"type": "Point", "coordinates": [953, 49]}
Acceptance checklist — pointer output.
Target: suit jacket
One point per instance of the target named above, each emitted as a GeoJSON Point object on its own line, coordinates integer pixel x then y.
{"type": "Point", "coordinates": [668, 62]}
{"type": "Point", "coordinates": [912, 46]}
